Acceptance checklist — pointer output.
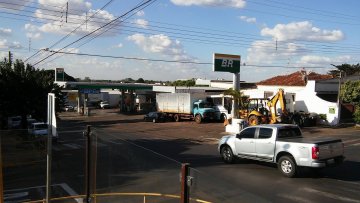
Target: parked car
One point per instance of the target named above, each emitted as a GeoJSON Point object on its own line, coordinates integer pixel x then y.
{"type": "Point", "coordinates": [282, 144]}
{"type": "Point", "coordinates": [155, 117]}
{"type": "Point", "coordinates": [14, 122]}
{"type": "Point", "coordinates": [104, 105]}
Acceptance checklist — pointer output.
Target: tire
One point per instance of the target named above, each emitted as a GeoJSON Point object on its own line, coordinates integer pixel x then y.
{"type": "Point", "coordinates": [227, 155]}
{"type": "Point", "coordinates": [287, 166]}
{"type": "Point", "coordinates": [253, 120]}
{"type": "Point", "coordinates": [154, 120]}
{"type": "Point", "coordinates": [198, 119]}
{"type": "Point", "coordinates": [222, 118]}
{"type": "Point", "coordinates": [177, 118]}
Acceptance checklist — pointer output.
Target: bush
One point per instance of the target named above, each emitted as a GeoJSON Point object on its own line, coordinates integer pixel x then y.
{"type": "Point", "coordinates": [357, 114]}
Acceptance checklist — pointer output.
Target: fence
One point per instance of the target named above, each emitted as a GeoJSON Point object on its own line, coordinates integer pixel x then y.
{"type": "Point", "coordinates": [97, 165]}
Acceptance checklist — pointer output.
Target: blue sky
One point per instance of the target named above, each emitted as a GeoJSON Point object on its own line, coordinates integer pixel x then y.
{"type": "Point", "coordinates": [273, 37]}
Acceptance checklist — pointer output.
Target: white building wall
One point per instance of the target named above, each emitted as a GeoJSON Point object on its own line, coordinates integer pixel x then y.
{"type": "Point", "coordinates": [300, 98]}
{"type": "Point", "coordinates": [307, 101]}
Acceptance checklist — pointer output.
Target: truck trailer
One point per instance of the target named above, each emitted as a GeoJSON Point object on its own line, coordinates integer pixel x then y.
{"type": "Point", "coordinates": [185, 105]}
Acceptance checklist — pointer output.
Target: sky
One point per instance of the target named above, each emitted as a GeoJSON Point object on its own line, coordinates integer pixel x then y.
{"type": "Point", "coordinates": [175, 39]}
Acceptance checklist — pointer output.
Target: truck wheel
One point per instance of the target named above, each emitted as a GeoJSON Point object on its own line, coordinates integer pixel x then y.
{"type": "Point", "coordinates": [222, 118]}
{"type": "Point", "coordinates": [154, 120]}
{"type": "Point", "coordinates": [287, 166]}
{"type": "Point", "coordinates": [253, 120]}
{"type": "Point", "coordinates": [198, 119]}
{"type": "Point", "coordinates": [177, 118]}
{"type": "Point", "coordinates": [227, 155]}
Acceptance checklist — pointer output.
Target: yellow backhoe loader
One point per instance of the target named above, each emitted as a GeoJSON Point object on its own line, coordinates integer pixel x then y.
{"type": "Point", "coordinates": [257, 113]}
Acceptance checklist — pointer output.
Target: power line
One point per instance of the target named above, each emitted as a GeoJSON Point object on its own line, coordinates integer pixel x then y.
{"type": "Point", "coordinates": [65, 37]}
{"type": "Point", "coordinates": [175, 61]}
{"type": "Point", "coordinates": [107, 24]}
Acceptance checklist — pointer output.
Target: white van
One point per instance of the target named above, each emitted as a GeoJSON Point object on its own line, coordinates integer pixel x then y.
{"type": "Point", "coordinates": [38, 129]}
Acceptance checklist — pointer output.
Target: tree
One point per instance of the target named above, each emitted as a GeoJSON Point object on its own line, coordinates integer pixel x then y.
{"type": "Point", "coordinates": [350, 92]}
{"type": "Point", "coordinates": [140, 80]}
{"type": "Point", "coordinates": [24, 91]}
{"type": "Point", "coordinates": [346, 69]}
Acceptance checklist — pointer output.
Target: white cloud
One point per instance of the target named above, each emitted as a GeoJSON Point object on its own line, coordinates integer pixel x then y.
{"type": "Point", "coordinates": [224, 3]}
{"type": "Point", "coordinates": [302, 31]}
{"type": "Point", "coordinates": [120, 45]}
{"type": "Point", "coordinates": [248, 19]}
{"type": "Point", "coordinates": [32, 31]}
{"type": "Point", "coordinates": [74, 5]}
{"type": "Point", "coordinates": [102, 17]}
{"type": "Point", "coordinates": [4, 44]}
{"type": "Point", "coordinates": [141, 23]}
{"type": "Point", "coordinates": [268, 52]}
{"type": "Point", "coordinates": [14, 6]}
{"type": "Point", "coordinates": [321, 60]}
{"type": "Point", "coordinates": [5, 31]}
{"type": "Point", "coordinates": [161, 44]}
{"type": "Point", "coordinates": [140, 13]}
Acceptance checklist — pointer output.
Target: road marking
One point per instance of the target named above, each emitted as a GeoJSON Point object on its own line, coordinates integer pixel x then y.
{"type": "Point", "coordinates": [72, 146]}
{"type": "Point", "coordinates": [71, 192]}
{"type": "Point", "coordinates": [350, 141]}
{"type": "Point", "coordinates": [330, 195]}
{"type": "Point", "coordinates": [23, 192]}
{"type": "Point", "coordinates": [293, 198]}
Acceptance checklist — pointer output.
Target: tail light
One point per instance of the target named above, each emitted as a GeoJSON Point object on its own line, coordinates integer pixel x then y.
{"type": "Point", "coordinates": [315, 152]}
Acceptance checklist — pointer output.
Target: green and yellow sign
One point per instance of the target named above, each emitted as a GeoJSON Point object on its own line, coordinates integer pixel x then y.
{"type": "Point", "coordinates": [226, 63]}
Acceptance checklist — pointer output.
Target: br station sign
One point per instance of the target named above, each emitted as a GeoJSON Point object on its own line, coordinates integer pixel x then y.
{"type": "Point", "coordinates": [226, 63]}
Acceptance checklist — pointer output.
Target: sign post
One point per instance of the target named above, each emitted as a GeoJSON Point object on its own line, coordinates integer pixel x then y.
{"type": "Point", "coordinates": [229, 63]}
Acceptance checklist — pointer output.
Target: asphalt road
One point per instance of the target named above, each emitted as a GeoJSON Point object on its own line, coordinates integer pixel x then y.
{"type": "Point", "coordinates": [136, 156]}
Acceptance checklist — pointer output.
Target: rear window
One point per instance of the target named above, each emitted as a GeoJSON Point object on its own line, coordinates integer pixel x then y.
{"type": "Point", "coordinates": [289, 132]}
{"type": "Point", "coordinates": [41, 126]}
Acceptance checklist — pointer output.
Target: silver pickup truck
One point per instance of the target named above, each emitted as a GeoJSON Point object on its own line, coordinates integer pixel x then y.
{"type": "Point", "coordinates": [282, 144]}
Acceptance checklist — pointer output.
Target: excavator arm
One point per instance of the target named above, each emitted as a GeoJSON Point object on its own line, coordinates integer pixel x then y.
{"type": "Point", "coordinates": [279, 97]}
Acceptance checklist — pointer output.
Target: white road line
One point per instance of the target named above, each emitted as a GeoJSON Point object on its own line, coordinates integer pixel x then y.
{"type": "Point", "coordinates": [354, 140]}
{"type": "Point", "coordinates": [293, 198]}
{"type": "Point", "coordinates": [71, 192]}
{"type": "Point", "coordinates": [72, 146]}
{"type": "Point", "coordinates": [330, 195]}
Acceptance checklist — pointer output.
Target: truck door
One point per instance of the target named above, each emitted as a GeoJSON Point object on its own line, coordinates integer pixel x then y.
{"type": "Point", "coordinates": [245, 142]}
{"type": "Point", "coordinates": [265, 144]}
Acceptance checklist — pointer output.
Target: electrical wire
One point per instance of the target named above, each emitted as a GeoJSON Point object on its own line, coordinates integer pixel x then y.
{"type": "Point", "coordinates": [176, 61]}
{"type": "Point", "coordinates": [107, 24]}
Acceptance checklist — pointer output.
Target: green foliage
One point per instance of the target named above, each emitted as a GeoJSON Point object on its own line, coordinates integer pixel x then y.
{"type": "Point", "coordinates": [357, 114]}
{"type": "Point", "coordinates": [350, 91]}
{"type": "Point", "coordinates": [238, 97]}
{"type": "Point", "coordinates": [185, 83]}
{"type": "Point", "coordinates": [24, 90]}
{"type": "Point", "coordinates": [346, 69]}
{"type": "Point", "coordinates": [140, 80]}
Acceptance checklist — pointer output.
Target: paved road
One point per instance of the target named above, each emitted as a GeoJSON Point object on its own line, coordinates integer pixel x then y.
{"type": "Point", "coordinates": [135, 156]}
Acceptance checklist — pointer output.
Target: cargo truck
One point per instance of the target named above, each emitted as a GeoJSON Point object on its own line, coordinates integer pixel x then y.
{"type": "Point", "coordinates": [185, 105]}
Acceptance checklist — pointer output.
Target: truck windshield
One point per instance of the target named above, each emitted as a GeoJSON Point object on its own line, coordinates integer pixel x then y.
{"type": "Point", "coordinates": [289, 133]}
{"type": "Point", "coordinates": [204, 105]}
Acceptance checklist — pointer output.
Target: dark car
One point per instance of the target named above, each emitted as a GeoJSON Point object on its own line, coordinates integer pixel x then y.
{"type": "Point", "coordinates": [155, 117]}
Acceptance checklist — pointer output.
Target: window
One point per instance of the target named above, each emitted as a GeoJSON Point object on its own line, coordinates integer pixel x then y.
{"type": "Point", "coordinates": [268, 94]}
{"type": "Point", "coordinates": [248, 133]}
{"type": "Point", "coordinates": [265, 133]}
{"type": "Point", "coordinates": [289, 133]}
